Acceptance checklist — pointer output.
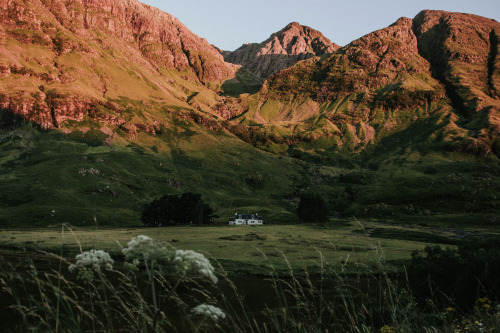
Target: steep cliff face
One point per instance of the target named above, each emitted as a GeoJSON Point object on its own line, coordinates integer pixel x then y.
{"type": "Point", "coordinates": [161, 38]}
{"type": "Point", "coordinates": [387, 56]}
{"type": "Point", "coordinates": [389, 80]}
{"type": "Point", "coordinates": [281, 50]}
{"type": "Point", "coordinates": [463, 52]}
{"type": "Point", "coordinates": [66, 60]}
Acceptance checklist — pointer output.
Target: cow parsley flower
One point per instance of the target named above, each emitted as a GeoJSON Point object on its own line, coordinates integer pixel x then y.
{"type": "Point", "coordinates": [94, 259]}
{"type": "Point", "coordinates": [145, 248]}
{"type": "Point", "coordinates": [209, 311]}
{"type": "Point", "coordinates": [193, 261]}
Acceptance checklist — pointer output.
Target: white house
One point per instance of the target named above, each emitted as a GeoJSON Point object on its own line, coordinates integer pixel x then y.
{"type": "Point", "coordinates": [246, 219]}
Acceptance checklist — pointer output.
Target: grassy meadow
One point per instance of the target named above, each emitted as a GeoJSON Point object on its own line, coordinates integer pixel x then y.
{"type": "Point", "coordinates": [63, 194]}
{"type": "Point", "coordinates": [346, 276]}
{"type": "Point", "coordinates": [250, 250]}
{"type": "Point", "coordinates": [49, 178]}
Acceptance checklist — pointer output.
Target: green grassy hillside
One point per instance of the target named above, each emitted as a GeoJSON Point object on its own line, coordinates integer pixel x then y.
{"type": "Point", "coordinates": [50, 177]}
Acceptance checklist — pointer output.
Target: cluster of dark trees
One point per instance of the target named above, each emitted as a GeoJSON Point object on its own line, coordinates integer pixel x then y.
{"type": "Point", "coordinates": [189, 208]}
{"type": "Point", "coordinates": [312, 208]}
{"type": "Point", "coordinates": [177, 209]}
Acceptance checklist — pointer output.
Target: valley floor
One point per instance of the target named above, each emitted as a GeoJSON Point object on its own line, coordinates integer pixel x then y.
{"type": "Point", "coordinates": [250, 250]}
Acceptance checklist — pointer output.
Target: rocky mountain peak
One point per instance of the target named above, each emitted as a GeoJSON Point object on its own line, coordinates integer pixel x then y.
{"type": "Point", "coordinates": [298, 39]}
{"type": "Point", "coordinates": [293, 24]}
{"type": "Point", "coordinates": [438, 63]}
{"type": "Point", "coordinates": [281, 50]}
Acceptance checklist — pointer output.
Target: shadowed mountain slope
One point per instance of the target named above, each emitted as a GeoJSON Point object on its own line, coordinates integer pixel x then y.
{"type": "Point", "coordinates": [463, 52]}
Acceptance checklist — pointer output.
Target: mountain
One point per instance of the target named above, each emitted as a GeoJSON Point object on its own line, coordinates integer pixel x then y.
{"type": "Point", "coordinates": [440, 69]}
{"type": "Point", "coordinates": [107, 105]}
{"type": "Point", "coordinates": [66, 61]}
{"type": "Point", "coordinates": [463, 53]}
{"type": "Point", "coordinates": [281, 50]}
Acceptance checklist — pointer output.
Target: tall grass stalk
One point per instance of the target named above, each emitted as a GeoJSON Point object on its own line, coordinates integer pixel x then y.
{"type": "Point", "coordinates": [157, 288]}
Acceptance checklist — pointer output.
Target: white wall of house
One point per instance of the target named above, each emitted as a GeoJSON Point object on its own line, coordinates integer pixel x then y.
{"type": "Point", "coordinates": [254, 222]}
{"type": "Point", "coordinates": [243, 221]}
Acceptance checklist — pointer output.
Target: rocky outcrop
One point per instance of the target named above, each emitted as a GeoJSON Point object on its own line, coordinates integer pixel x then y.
{"type": "Point", "coordinates": [281, 50]}
{"type": "Point", "coordinates": [68, 60]}
{"type": "Point", "coordinates": [50, 109]}
{"type": "Point", "coordinates": [384, 65]}
{"type": "Point", "coordinates": [438, 62]}
{"type": "Point", "coordinates": [161, 38]}
{"type": "Point", "coordinates": [463, 52]}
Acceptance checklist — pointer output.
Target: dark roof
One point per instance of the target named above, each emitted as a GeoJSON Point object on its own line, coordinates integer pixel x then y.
{"type": "Point", "coordinates": [248, 216]}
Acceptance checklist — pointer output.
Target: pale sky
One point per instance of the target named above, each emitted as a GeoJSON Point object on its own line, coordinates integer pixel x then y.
{"type": "Point", "coordinates": [230, 23]}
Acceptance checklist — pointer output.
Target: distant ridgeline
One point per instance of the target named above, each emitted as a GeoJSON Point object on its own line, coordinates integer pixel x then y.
{"type": "Point", "coordinates": [62, 69]}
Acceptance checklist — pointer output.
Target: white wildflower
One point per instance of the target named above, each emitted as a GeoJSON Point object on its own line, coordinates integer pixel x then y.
{"type": "Point", "coordinates": [194, 261]}
{"type": "Point", "coordinates": [94, 259]}
{"type": "Point", "coordinates": [209, 311]}
{"type": "Point", "coordinates": [145, 248]}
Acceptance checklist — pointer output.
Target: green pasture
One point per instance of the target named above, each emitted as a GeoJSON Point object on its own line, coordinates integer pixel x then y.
{"type": "Point", "coordinates": [251, 250]}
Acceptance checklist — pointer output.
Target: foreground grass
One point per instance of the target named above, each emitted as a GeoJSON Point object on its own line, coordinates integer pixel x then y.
{"type": "Point", "coordinates": [248, 249]}
{"type": "Point", "coordinates": [156, 288]}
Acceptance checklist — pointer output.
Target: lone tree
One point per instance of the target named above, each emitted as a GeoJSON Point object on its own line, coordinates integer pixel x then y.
{"type": "Point", "coordinates": [312, 208]}
{"type": "Point", "coordinates": [185, 208]}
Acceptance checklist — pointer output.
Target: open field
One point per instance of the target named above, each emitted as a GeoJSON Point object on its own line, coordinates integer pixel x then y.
{"type": "Point", "coordinates": [249, 250]}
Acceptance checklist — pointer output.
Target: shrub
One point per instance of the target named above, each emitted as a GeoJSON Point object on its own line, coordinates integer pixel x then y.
{"type": "Point", "coordinates": [462, 275]}
{"type": "Point", "coordinates": [255, 181]}
{"type": "Point", "coordinates": [312, 208]}
{"type": "Point", "coordinates": [185, 208]}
